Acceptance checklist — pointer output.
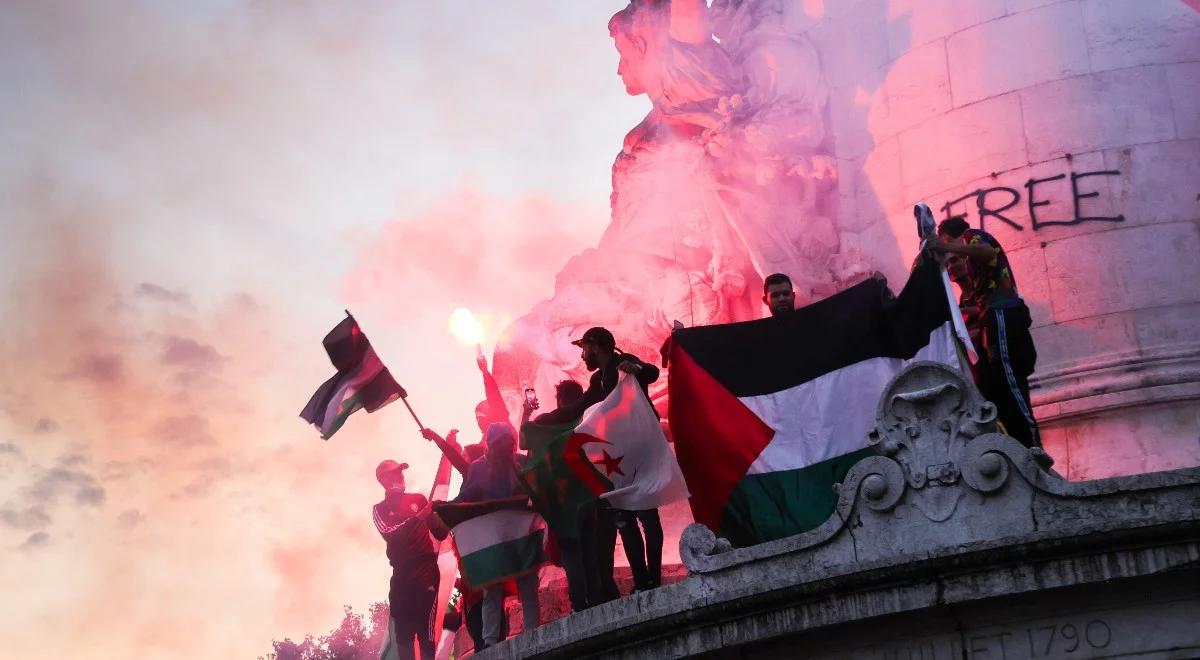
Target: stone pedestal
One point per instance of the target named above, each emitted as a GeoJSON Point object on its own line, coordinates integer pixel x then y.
{"type": "Point", "coordinates": [952, 542]}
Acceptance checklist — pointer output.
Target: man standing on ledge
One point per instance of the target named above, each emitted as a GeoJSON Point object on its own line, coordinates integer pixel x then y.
{"type": "Point", "coordinates": [401, 519]}
{"type": "Point", "coordinates": [600, 354]}
{"type": "Point", "coordinates": [1001, 321]}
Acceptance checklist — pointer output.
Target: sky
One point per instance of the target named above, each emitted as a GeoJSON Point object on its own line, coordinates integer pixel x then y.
{"type": "Point", "coordinates": [190, 195]}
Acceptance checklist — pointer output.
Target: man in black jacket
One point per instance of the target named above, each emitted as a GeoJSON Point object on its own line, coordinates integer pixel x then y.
{"type": "Point", "coordinates": [600, 354]}
{"type": "Point", "coordinates": [402, 520]}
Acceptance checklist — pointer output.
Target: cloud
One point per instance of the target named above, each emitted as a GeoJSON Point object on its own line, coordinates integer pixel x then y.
{"type": "Point", "coordinates": [208, 473]}
{"type": "Point", "coordinates": [130, 518]}
{"type": "Point", "coordinates": [72, 460]}
{"type": "Point", "coordinates": [481, 251]}
{"type": "Point", "coordinates": [35, 540]}
{"type": "Point", "coordinates": [45, 425]}
{"type": "Point", "coordinates": [188, 430]}
{"type": "Point", "coordinates": [122, 470]}
{"type": "Point", "coordinates": [61, 482]}
{"type": "Point", "coordinates": [34, 517]}
{"type": "Point", "coordinates": [98, 368]}
{"type": "Point", "coordinates": [151, 291]}
{"type": "Point", "coordinates": [307, 568]}
{"type": "Point", "coordinates": [10, 447]}
{"type": "Point", "coordinates": [189, 353]}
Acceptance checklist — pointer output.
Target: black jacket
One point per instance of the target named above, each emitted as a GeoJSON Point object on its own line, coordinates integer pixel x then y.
{"type": "Point", "coordinates": [603, 382]}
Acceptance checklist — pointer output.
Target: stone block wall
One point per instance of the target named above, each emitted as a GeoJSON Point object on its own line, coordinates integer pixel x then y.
{"type": "Point", "coordinates": [1069, 129]}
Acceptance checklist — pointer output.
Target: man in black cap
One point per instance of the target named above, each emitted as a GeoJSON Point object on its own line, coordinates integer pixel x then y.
{"type": "Point", "coordinates": [600, 354]}
{"type": "Point", "coordinates": [401, 519]}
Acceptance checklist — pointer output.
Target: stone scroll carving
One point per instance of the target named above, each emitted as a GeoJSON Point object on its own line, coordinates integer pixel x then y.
{"type": "Point", "coordinates": [942, 475]}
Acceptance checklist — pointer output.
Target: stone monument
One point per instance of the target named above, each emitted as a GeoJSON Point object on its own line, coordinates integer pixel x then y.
{"type": "Point", "coordinates": [1071, 131]}
{"type": "Point", "coordinates": [953, 541]}
{"type": "Point", "coordinates": [795, 136]}
{"type": "Point", "coordinates": [729, 178]}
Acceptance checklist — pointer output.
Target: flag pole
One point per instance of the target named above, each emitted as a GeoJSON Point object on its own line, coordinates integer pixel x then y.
{"type": "Point", "coordinates": [403, 397]}
{"type": "Point", "coordinates": [412, 412]}
{"type": "Point", "coordinates": [926, 228]}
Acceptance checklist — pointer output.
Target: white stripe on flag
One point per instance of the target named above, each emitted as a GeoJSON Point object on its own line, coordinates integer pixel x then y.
{"type": "Point", "coordinates": [831, 415]}
{"type": "Point", "coordinates": [371, 367]}
{"type": "Point", "coordinates": [644, 472]}
{"type": "Point", "coordinates": [494, 528]}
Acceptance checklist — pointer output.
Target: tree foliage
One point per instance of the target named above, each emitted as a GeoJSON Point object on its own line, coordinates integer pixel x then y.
{"type": "Point", "coordinates": [353, 639]}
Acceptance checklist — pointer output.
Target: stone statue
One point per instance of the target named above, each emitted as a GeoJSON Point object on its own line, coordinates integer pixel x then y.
{"type": "Point", "coordinates": [724, 182]}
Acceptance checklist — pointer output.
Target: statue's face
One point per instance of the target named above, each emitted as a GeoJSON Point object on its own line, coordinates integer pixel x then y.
{"type": "Point", "coordinates": [632, 64]}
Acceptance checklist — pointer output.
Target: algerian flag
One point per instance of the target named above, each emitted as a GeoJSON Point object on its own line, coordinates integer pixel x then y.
{"type": "Point", "coordinates": [616, 451]}
{"type": "Point", "coordinates": [768, 415]}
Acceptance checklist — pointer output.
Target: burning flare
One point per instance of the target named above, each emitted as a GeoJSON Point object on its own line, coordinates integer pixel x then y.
{"type": "Point", "coordinates": [465, 328]}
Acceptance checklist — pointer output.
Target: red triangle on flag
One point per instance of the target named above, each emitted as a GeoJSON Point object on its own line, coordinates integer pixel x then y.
{"type": "Point", "coordinates": [717, 438]}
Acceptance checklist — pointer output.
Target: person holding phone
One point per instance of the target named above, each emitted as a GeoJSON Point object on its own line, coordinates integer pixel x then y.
{"type": "Point", "coordinates": [585, 586]}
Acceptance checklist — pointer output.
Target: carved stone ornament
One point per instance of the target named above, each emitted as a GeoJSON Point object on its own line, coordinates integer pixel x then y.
{"type": "Point", "coordinates": [937, 449]}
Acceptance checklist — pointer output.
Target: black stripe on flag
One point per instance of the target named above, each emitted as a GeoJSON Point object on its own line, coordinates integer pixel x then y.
{"type": "Point", "coordinates": [752, 358]}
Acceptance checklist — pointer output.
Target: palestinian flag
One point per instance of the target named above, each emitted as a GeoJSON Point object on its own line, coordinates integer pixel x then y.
{"type": "Point", "coordinates": [768, 415]}
{"type": "Point", "coordinates": [616, 451]}
{"type": "Point", "coordinates": [361, 380]}
{"type": "Point", "coordinates": [497, 545]}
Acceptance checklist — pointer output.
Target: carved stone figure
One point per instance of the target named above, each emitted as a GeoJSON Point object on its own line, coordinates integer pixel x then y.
{"type": "Point", "coordinates": [723, 182]}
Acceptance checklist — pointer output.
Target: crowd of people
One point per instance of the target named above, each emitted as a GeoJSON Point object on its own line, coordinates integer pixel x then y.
{"type": "Point", "coordinates": [998, 323]}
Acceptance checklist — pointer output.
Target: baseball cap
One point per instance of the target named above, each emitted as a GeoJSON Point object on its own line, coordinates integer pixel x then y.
{"type": "Point", "coordinates": [598, 336]}
{"type": "Point", "coordinates": [387, 467]}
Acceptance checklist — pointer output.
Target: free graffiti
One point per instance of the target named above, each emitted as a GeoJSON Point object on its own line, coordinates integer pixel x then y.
{"type": "Point", "coordinates": [1001, 203]}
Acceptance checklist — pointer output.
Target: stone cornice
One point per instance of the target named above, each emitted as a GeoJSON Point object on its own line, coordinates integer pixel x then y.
{"type": "Point", "coordinates": [949, 512]}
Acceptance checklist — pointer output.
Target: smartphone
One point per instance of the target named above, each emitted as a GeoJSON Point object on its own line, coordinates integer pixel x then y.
{"type": "Point", "coordinates": [531, 398]}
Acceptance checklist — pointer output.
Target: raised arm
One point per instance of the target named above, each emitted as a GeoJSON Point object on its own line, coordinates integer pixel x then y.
{"type": "Point", "coordinates": [497, 410]}
{"type": "Point", "coordinates": [450, 448]}
{"type": "Point", "coordinates": [977, 249]}
{"type": "Point", "coordinates": [645, 372]}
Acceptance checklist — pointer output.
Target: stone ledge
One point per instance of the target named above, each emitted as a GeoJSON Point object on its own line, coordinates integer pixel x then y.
{"type": "Point", "coordinates": [700, 615]}
{"type": "Point", "coordinates": [949, 517]}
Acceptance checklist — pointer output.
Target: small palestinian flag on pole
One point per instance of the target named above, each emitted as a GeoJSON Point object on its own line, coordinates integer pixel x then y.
{"type": "Point", "coordinates": [361, 380]}
{"type": "Point", "coordinates": [617, 451]}
{"type": "Point", "coordinates": [768, 415]}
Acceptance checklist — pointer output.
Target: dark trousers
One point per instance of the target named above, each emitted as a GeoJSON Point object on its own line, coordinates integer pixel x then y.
{"type": "Point", "coordinates": [1003, 371]}
{"type": "Point", "coordinates": [576, 569]}
{"type": "Point", "coordinates": [599, 547]}
{"type": "Point", "coordinates": [411, 596]}
{"type": "Point", "coordinates": [645, 559]}
{"type": "Point", "coordinates": [475, 625]}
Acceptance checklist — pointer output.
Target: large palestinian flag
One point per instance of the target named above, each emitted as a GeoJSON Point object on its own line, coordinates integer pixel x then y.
{"type": "Point", "coordinates": [616, 451]}
{"type": "Point", "coordinates": [361, 380]}
{"type": "Point", "coordinates": [768, 415]}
